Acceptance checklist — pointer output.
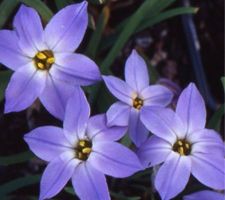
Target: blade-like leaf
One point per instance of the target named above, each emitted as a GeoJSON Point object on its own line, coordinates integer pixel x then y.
{"type": "Point", "coordinates": [223, 82]}
{"type": "Point", "coordinates": [216, 119]}
{"type": "Point", "coordinates": [6, 9]}
{"type": "Point", "coordinates": [61, 4]}
{"type": "Point", "coordinates": [16, 184]}
{"type": "Point", "coordinates": [96, 37]}
{"type": "Point", "coordinates": [4, 79]}
{"type": "Point", "coordinates": [15, 159]}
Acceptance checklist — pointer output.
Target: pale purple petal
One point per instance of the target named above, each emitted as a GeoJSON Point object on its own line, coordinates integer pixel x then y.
{"type": "Point", "coordinates": [205, 195]}
{"type": "Point", "coordinates": [118, 114]}
{"type": "Point", "coordinates": [191, 109]}
{"type": "Point", "coordinates": [162, 122]}
{"type": "Point", "coordinates": [66, 29]}
{"type": "Point", "coordinates": [114, 159]}
{"type": "Point", "coordinates": [173, 176]}
{"type": "Point", "coordinates": [75, 69]}
{"type": "Point", "coordinates": [136, 72]}
{"type": "Point", "coordinates": [98, 130]}
{"type": "Point", "coordinates": [120, 89]}
{"type": "Point", "coordinates": [89, 183]}
{"type": "Point", "coordinates": [29, 29]}
{"type": "Point", "coordinates": [209, 170]}
{"type": "Point", "coordinates": [156, 95]}
{"type": "Point", "coordinates": [55, 96]}
{"type": "Point", "coordinates": [76, 116]}
{"type": "Point", "coordinates": [136, 129]}
{"type": "Point", "coordinates": [206, 141]}
{"type": "Point", "coordinates": [10, 54]}
{"type": "Point", "coordinates": [47, 142]}
{"type": "Point", "coordinates": [154, 151]}
{"type": "Point", "coordinates": [25, 85]}
{"type": "Point", "coordinates": [57, 174]}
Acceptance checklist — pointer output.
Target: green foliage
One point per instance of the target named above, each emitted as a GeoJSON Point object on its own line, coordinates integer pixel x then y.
{"type": "Point", "coordinates": [4, 78]}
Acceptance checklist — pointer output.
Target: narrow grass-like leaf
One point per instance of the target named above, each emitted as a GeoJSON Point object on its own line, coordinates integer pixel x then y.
{"type": "Point", "coordinates": [61, 4]}
{"type": "Point", "coordinates": [223, 82]}
{"type": "Point", "coordinates": [128, 30]}
{"type": "Point", "coordinates": [15, 159]}
{"type": "Point", "coordinates": [96, 37]}
{"type": "Point", "coordinates": [166, 15]}
{"type": "Point", "coordinates": [216, 119]}
{"type": "Point", "coordinates": [16, 184]}
{"type": "Point", "coordinates": [4, 79]}
{"type": "Point", "coordinates": [120, 196]}
{"type": "Point", "coordinates": [40, 6]}
{"type": "Point", "coordinates": [6, 9]}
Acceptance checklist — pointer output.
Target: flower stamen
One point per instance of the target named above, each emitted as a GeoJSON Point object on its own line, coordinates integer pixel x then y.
{"type": "Point", "coordinates": [83, 149]}
{"type": "Point", "coordinates": [43, 60]}
{"type": "Point", "coordinates": [138, 103]}
{"type": "Point", "coordinates": [182, 147]}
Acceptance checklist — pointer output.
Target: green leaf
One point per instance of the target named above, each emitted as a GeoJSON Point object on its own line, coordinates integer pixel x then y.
{"type": "Point", "coordinates": [120, 196]}
{"type": "Point", "coordinates": [216, 119]}
{"type": "Point", "coordinates": [223, 82]}
{"type": "Point", "coordinates": [69, 190]}
{"type": "Point", "coordinates": [128, 30]}
{"type": "Point", "coordinates": [61, 4]}
{"type": "Point", "coordinates": [166, 15]}
{"type": "Point", "coordinates": [42, 9]}
{"type": "Point", "coordinates": [4, 80]}
{"type": "Point", "coordinates": [16, 184]}
{"type": "Point", "coordinates": [15, 159]}
{"type": "Point", "coordinates": [6, 9]}
{"type": "Point", "coordinates": [96, 36]}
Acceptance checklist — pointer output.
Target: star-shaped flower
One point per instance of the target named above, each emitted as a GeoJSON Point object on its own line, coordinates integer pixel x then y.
{"type": "Point", "coordinates": [85, 149]}
{"type": "Point", "coordinates": [134, 95]}
{"type": "Point", "coordinates": [44, 61]}
{"type": "Point", "coordinates": [183, 145]}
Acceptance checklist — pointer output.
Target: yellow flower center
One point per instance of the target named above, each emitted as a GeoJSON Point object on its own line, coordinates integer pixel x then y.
{"type": "Point", "coordinates": [83, 149]}
{"type": "Point", "coordinates": [182, 147]}
{"type": "Point", "coordinates": [43, 60]}
{"type": "Point", "coordinates": [138, 103]}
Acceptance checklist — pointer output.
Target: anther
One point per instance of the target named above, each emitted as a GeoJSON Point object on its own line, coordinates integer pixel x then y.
{"type": "Point", "coordinates": [43, 60]}
{"type": "Point", "coordinates": [182, 147]}
{"type": "Point", "coordinates": [83, 149]}
{"type": "Point", "coordinates": [138, 103]}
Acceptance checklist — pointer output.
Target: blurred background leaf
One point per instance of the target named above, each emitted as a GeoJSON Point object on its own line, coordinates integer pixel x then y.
{"type": "Point", "coordinates": [4, 79]}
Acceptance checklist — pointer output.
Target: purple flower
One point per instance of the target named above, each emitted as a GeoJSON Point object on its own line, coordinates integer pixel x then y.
{"type": "Point", "coordinates": [134, 95]}
{"type": "Point", "coordinates": [43, 60]}
{"type": "Point", "coordinates": [84, 150]}
{"type": "Point", "coordinates": [205, 195]}
{"type": "Point", "coordinates": [184, 145]}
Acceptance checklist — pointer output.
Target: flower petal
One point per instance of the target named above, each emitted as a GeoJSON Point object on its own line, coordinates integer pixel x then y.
{"type": "Point", "coordinates": [162, 122]}
{"type": "Point", "coordinates": [120, 89]}
{"type": "Point", "coordinates": [57, 174]}
{"type": "Point", "coordinates": [76, 116]}
{"type": "Point", "coordinates": [118, 114]}
{"type": "Point", "coordinates": [25, 85]}
{"type": "Point", "coordinates": [175, 168]}
{"type": "Point", "coordinates": [10, 54]}
{"type": "Point", "coordinates": [209, 170]}
{"type": "Point", "coordinates": [156, 95]}
{"type": "Point", "coordinates": [206, 195]}
{"type": "Point", "coordinates": [98, 130]}
{"type": "Point", "coordinates": [29, 29]}
{"type": "Point", "coordinates": [89, 183]}
{"type": "Point", "coordinates": [154, 151]}
{"type": "Point", "coordinates": [206, 141]}
{"type": "Point", "coordinates": [109, 158]}
{"type": "Point", "coordinates": [55, 96]}
{"type": "Point", "coordinates": [137, 131]}
{"type": "Point", "coordinates": [191, 109]}
{"type": "Point", "coordinates": [75, 69]}
{"type": "Point", "coordinates": [66, 29]}
{"type": "Point", "coordinates": [136, 72]}
{"type": "Point", "coordinates": [47, 142]}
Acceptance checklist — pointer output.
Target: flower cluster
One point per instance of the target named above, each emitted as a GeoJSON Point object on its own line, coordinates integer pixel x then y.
{"type": "Point", "coordinates": [87, 148]}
